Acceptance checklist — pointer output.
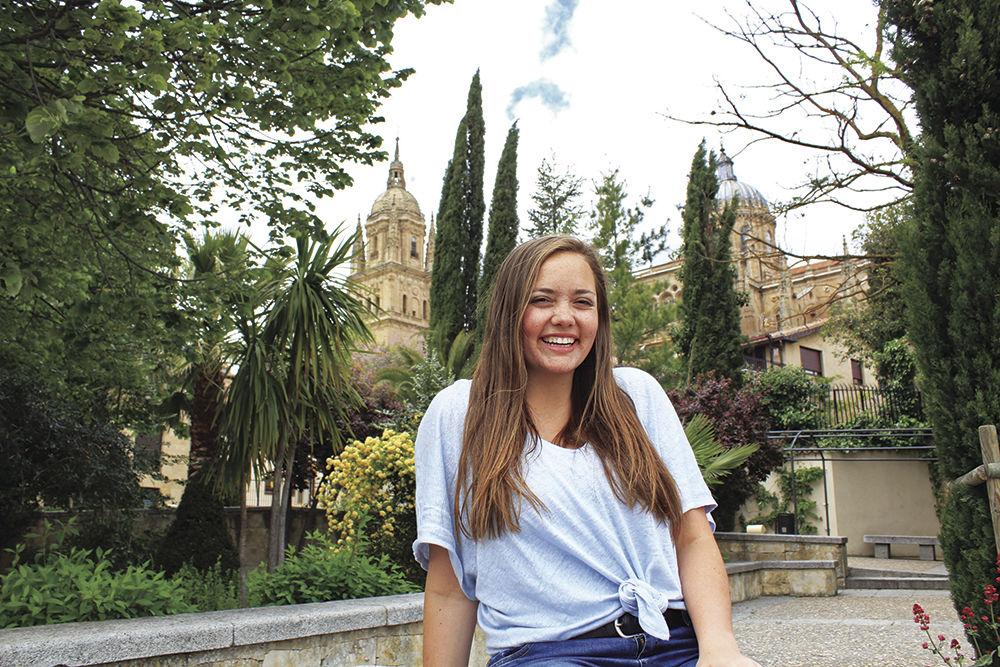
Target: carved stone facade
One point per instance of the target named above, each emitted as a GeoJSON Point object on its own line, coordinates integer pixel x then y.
{"type": "Point", "coordinates": [786, 306]}
{"type": "Point", "coordinates": [392, 262]}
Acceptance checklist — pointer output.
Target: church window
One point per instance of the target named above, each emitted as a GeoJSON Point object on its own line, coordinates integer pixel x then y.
{"type": "Point", "coordinates": [374, 247]}
{"type": "Point", "coordinates": [425, 309]}
{"type": "Point", "coordinates": [378, 303]}
{"type": "Point", "coordinates": [744, 238]}
{"type": "Point", "coordinates": [413, 247]}
{"type": "Point", "coordinates": [404, 304]}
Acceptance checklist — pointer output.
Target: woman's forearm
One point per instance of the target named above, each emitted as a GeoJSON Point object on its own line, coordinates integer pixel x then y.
{"type": "Point", "coordinates": [705, 587]}
{"type": "Point", "coordinates": [449, 616]}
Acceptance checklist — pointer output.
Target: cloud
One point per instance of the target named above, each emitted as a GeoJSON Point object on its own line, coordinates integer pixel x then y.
{"type": "Point", "coordinates": [557, 17]}
{"type": "Point", "coordinates": [549, 93]}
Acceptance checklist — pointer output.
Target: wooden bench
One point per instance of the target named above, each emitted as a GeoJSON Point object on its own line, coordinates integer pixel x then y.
{"type": "Point", "coordinates": [883, 544]}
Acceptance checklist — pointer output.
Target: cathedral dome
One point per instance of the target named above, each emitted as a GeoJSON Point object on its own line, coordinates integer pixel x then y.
{"type": "Point", "coordinates": [730, 188]}
{"type": "Point", "coordinates": [395, 197]}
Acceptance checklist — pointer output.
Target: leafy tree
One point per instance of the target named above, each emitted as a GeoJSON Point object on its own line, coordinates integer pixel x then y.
{"type": "Point", "coordinates": [44, 462]}
{"type": "Point", "coordinates": [739, 419]}
{"type": "Point", "coordinates": [502, 235]}
{"type": "Point", "coordinates": [455, 276]}
{"type": "Point", "coordinates": [874, 329]}
{"type": "Point", "coordinates": [950, 57]}
{"type": "Point", "coordinates": [556, 207]}
{"type": "Point", "coordinates": [709, 337]}
{"type": "Point", "coordinates": [123, 125]}
{"type": "Point", "coordinates": [635, 316]}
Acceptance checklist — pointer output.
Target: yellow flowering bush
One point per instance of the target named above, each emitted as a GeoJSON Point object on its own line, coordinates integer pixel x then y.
{"type": "Point", "coordinates": [368, 496]}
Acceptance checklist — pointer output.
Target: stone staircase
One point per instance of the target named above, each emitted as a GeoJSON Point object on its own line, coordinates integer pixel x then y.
{"type": "Point", "coordinates": [882, 579]}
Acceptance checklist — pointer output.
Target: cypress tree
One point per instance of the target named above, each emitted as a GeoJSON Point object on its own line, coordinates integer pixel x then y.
{"type": "Point", "coordinates": [710, 337]}
{"type": "Point", "coordinates": [950, 57]}
{"type": "Point", "coordinates": [475, 202]}
{"type": "Point", "coordinates": [502, 235]}
{"type": "Point", "coordinates": [455, 275]}
{"type": "Point", "coordinates": [447, 290]}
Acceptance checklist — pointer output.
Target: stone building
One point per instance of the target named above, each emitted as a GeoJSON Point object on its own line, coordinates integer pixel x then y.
{"type": "Point", "coordinates": [392, 262]}
{"type": "Point", "coordinates": [787, 306]}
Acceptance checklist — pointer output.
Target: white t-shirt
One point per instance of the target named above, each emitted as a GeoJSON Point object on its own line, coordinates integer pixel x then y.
{"type": "Point", "coordinates": [587, 557]}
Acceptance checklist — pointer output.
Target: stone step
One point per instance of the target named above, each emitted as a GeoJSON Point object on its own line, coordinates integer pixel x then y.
{"type": "Point", "coordinates": [875, 572]}
{"type": "Point", "coordinates": [906, 583]}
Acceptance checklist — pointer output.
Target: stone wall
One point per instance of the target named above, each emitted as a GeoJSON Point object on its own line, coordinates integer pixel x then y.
{"type": "Point", "coordinates": [373, 631]}
{"type": "Point", "coordinates": [745, 547]}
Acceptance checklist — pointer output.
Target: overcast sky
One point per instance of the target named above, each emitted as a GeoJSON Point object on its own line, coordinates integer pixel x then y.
{"type": "Point", "coordinates": [588, 81]}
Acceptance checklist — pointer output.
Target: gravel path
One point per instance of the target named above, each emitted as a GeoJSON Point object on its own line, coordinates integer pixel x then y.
{"type": "Point", "coordinates": [857, 628]}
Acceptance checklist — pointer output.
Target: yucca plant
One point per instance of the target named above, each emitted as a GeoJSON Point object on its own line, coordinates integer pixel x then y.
{"type": "Point", "coordinates": [293, 383]}
{"type": "Point", "coordinates": [715, 460]}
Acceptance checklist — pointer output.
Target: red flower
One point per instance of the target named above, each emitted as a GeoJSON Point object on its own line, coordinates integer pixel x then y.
{"type": "Point", "coordinates": [940, 638]}
{"type": "Point", "coordinates": [954, 643]}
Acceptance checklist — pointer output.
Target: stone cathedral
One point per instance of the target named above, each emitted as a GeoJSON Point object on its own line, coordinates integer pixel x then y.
{"type": "Point", "coordinates": [392, 262]}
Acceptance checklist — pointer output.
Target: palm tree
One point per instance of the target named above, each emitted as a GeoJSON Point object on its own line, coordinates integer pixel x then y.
{"type": "Point", "coordinates": [715, 460]}
{"type": "Point", "coordinates": [293, 382]}
{"type": "Point", "coordinates": [217, 268]}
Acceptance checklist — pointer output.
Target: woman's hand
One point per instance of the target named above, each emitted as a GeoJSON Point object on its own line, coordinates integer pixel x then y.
{"type": "Point", "coordinates": [733, 660]}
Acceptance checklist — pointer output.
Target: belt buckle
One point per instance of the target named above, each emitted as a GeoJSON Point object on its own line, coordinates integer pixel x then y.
{"type": "Point", "coordinates": [618, 628]}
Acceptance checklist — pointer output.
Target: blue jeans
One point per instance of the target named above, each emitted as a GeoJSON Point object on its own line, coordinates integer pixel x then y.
{"type": "Point", "coordinates": [642, 650]}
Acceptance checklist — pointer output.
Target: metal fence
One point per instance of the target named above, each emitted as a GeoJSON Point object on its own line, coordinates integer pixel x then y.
{"type": "Point", "coordinates": [846, 404]}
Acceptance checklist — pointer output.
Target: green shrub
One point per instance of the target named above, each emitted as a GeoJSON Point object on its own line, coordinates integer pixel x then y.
{"type": "Point", "coordinates": [321, 572]}
{"type": "Point", "coordinates": [82, 585]}
{"type": "Point", "coordinates": [198, 534]}
{"type": "Point", "coordinates": [791, 397]}
{"type": "Point", "coordinates": [213, 589]}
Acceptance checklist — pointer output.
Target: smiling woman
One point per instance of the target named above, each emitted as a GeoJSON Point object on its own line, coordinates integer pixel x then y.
{"type": "Point", "coordinates": [558, 501]}
{"type": "Point", "coordinates": [560, 321]}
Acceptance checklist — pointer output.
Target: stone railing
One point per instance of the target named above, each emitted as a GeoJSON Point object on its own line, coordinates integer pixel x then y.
{"type": "Point", "coordinates": [371, 631]}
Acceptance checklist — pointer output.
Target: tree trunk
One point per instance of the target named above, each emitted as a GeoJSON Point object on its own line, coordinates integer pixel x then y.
{"type": "Point", "coordinates": [206, 401]}
{"type": "Point", "coordinates": [273, 531]}
{"type": "Point", "coordinates": [244, 566]}
{"type": "Point", "coordinates": [286, 489]}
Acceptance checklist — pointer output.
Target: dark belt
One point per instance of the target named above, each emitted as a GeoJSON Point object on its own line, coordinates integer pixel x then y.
{"type": "Point", "coordinates": [627, 625]}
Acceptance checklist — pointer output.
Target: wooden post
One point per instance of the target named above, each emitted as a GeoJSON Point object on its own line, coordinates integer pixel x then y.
{"type": "Point", "coordinates": [991, 454]}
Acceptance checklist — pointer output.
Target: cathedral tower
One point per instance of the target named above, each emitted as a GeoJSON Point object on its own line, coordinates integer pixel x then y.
{"type": "Point", "coordinates": [392, 266]}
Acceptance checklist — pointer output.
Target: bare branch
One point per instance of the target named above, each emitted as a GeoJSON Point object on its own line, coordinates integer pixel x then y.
{"type": "Point", "coordinates": [834, 98]}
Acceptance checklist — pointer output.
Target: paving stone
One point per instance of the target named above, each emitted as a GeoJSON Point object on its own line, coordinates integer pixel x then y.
{"type": "Point", "coordinates": [856, 628]}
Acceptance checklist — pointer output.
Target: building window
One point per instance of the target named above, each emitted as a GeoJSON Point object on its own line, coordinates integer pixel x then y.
{"type": "Point", "coordinates": [744, 238]}
{"type": "Point", "coordinates": [148, 447]}
{"type": "Point", "coordinates": [374, 247]}
{"type": "Point", "coordinates": [413, 247]}
{"type": "Point", "coordinates": [425, 309]}
{"type": "Point", "coordinates": [404, 305]}
{"type": "Point", "coordinates": [812, 360]}
{"type": "Point", "coordinates": [857, 375]}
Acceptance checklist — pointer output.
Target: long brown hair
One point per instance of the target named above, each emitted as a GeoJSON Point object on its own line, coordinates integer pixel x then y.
{"type": "Point", "coordinates": [490, 482]}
